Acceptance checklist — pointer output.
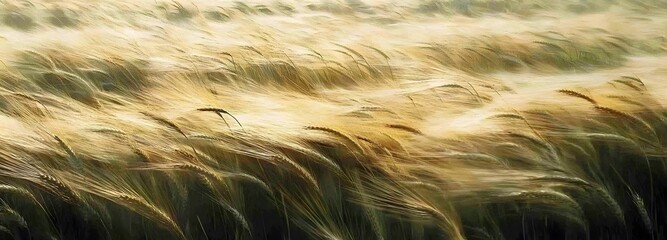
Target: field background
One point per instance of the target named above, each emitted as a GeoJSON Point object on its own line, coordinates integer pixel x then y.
{"type": "Point", "coordinates": [419, 119]}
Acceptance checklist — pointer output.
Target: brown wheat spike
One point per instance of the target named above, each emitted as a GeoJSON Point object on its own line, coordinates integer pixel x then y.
{"type": "Point", "coordinates": [141, 154]}
{"type": "Point", "coordinates": [405, 150]}
{"type": "Point", "coordinates": [454, 85]}
{"type": "Point", "coordinates": [429, 186]}
{"type": "Point", "coordinates": [376, 109]}
{"type": "Point", "coordinates": [628, 84]}
{"type": "Point", "coordinates": [338, 134]}
{"type": "Point", "coordinates": [165, 122]}
{"type": "Point", "coordinates": [641, 208]}
{"type": "Point", "coordinates": [376, 145]}
{"type": "Point", "coordinates": [530, 139]}
{"type": "Point", "coordinates": [358, 114]}
{"type": "Point", "coordinates": [197, 169]}
{"type": "Point", "coordinates": [74, 161]}
{"type": "Point", "coordinates": [356, 62]}
{"type": "Point", "coordinates": [634, 79]}
{"type": "Point", "coordinates": [508, 115]}
{"type": "Point", "coordinates": [359, 55]}
{"type": "Point", "coordinates": [251, 48]}
{"type": "Point", "coordinates": [25, 96]}
{"type": "Point", "coordinates": [149, 211]}
{"type": "Point", "coordinates": [31, 98]}
{"type": "Point", "coordinates": [317, 156]}
{"type": "Point", "coordinates": [207, 137]}
{"type": "Point", "coordinates": [577, 147]}
{"type": "Point", "coordinates": [552, 197]}
{"type": "Point", "coordinates": [377, 51]}
{"type": "Point", "coordinates": [475, 156]}
{"type": "Point", "coordinates": [365, 139]}
{"type": "Point", "coordinates": [58, 187]}
{"type": "Point", "coordinates": [171, 125]}
{"type": "Point", "coordinates": [350, 50]}
{"type": "Point", "coordinates": [106, 130]}
{"type": "Point", "coordinates": [620, 114]}
{"type": "Point", "coordinates": [404, 128]}
{"type": "Point", "coordinates": [220, 111]}
{"type": "Point", "coordinates": [627, 100]}
{"type": "Point", "coordinates": [186, 155]}
{"type": "Point", "coordinates": [207, 182]}
{"type": "Point", "coordinates": [410, 203]}
{"type": "Point", "coordinates": [303, 172]}
{"type": "Point", "coordinates": [235, 213]}
{"type": "Point", "coordinates": [341, 73]}
{"type": "Point", "coordinates": [589, 187]}
{"type": "Point", "coordinates": [249, 178]}
{"type": "Point", "coordinates": [578, 95]}
{"type": "Point", "coordinates": [219, 176]}
{"type": "Point", "coordinates": [340, 65]}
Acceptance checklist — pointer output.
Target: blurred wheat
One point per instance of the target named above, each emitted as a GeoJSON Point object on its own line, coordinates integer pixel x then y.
{"type": "Point", "coordinates": [462, 119]}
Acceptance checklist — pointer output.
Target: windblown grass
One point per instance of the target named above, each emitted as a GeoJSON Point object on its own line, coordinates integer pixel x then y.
{"type": "Point", "coordinates": [351, 120]}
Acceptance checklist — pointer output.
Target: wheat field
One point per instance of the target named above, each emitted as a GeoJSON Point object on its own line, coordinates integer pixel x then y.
{"type": "Point", "coordinates": [333, 119]}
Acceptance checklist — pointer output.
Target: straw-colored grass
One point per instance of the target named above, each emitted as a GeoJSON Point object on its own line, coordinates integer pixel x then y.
{"type": "Point", "coordinates": [439, 119]}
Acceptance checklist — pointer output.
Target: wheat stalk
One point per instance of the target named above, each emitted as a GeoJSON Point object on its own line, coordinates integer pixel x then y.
{"type": "Point", "coordinates": [404, 128]}
{"type": "Point", "coordinates": [58, 187]}
{"type": "Point", "coordinates": [302, 171]}
{"type": "Point", "coordinates": [336, 133]}
{"type": "Point", "coordinates": [220, 111]}
{"type": "Point", "coordinates": [623, 115]}
{"type": "Point", "coordinates": [578, 95]}
{"type": "Point", "coordinates": [148, 210]}
{"type": "Point", "coordinates": [73, 159]}
{"type": "Point", "coordinates": [165, 122]}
